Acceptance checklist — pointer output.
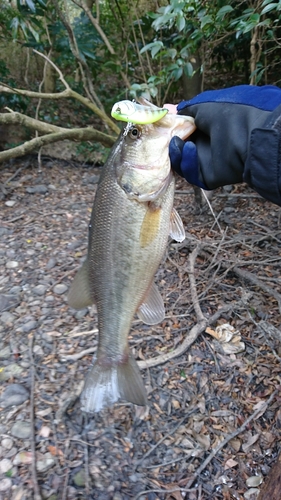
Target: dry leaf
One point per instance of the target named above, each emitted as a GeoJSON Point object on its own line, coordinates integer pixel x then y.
{"type": "Point", "coordinates": [230, 463]}
{"type": "Point", "coordinates": [45, 431]}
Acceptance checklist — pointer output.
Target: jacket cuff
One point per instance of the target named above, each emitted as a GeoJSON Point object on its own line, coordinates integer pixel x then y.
{"type": "Point", "coordinates": [263, 164]}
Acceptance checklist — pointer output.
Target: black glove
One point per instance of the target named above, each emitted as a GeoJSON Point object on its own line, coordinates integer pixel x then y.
{"type": "Point", "coordinates": [238, 138]}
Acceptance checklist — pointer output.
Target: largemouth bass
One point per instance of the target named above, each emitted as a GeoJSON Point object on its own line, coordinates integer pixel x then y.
{"type": "Point", "coordinates": [131, 220]}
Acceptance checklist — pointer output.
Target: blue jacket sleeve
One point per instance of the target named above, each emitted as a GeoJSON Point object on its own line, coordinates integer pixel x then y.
{"type": "Point", "coordinates": [238, 139]}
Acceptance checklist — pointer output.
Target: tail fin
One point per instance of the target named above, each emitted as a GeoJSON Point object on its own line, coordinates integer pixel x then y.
{"type": "Point", "coordinates": [106, 384]}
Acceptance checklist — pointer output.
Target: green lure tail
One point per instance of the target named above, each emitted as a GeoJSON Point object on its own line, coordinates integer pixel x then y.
{"type": "Point", "coordinates": [129, 111]}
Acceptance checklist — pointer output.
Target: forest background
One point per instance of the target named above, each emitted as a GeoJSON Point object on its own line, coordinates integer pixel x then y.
{"type": "Point", "coordinates": [64, 63]}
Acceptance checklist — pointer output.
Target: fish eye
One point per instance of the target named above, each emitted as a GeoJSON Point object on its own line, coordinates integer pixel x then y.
{"type": "Point", "coordinates": [134, 133]}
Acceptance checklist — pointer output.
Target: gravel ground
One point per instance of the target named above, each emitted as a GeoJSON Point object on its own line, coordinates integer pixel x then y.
{"type": "Point", "coordinates": [212, 428]}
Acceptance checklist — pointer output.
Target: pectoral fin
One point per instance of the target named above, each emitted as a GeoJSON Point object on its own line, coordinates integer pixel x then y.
{"type": "Point", "coordinates": [177, 231]}
{"type": "Point", "coordinates": [79, 295]}
{"type": "Point", "coordinates": [152, 310]}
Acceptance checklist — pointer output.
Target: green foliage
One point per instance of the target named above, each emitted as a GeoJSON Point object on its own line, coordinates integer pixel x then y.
{"type": "Point", "coordinates": [222, 27]}
{"type": "Point", "coordinates": [13, 101]}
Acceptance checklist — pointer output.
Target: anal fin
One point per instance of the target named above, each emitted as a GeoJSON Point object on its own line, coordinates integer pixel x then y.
{"type": "Point", "coordinates": [152, 310]}
{"type": "Point", "coordinates": [177, 231]}
{"type": "Point", "coordinates": [79, 295]}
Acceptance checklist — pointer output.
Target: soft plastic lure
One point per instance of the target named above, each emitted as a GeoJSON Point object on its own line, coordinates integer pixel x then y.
{"type": "Point", "coordinates": [141, 114]}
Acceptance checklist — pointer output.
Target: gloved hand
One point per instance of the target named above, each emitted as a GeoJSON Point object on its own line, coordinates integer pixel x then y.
{"type": "Point", "coordinates": [238, 138]}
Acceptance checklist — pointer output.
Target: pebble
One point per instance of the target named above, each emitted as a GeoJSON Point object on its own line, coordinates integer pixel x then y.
{"type": "Point", "coordinates": [81, 314]}
{"type": "Point", "coordinates": [229, 210]}
{"type": "Point", "coordinates": [39, 189]}
{"type": "Point", "coordinates": [79, 478]}
{"type": "Point", "coordinates": [15, 394]}
{"type": "Point", "coordinates": [15, 290]}
{"type": "Point", "coordinates": [39, 290]}
{"type": "Point", "coordinates": [21, 429]}
{"type": "Point", "coordinates": [60, 289]}
{"type": "Point", "coordinates": [5, 353]}
{"type": "Point", "coordinates": [254, 481]}
{"type": "Point", "coordinates": [10, 203]}
{"type": "Point", "coordinates": [45, 463]}
{"type": "Point", "coordinates": [50, 298]}
{"type": "Point", "coordinates": [30, 325]}
{"type": "Point", "coordinates": [12, 370]}
{"type": "Point", "coordinates": [4, 231]}
{"type": "Point", "coordinates": [228, 188]}
{"type": "Point", "coordinates": [7, 317]}
{"type": "Point", "coordinates": [37, 349]}
{"type": "Point", "coordinates": [252, 493]}
{"type": "Point", "coordinates": [5, 484]}
{"type": "Point", "coordinates": [51, 263]}
{"type": "Point", "coordinates": [5, 465]}
{"type": "Point", "coordinates": [7, 443]}
{"type": "Point", "coordinates": [12, 264]}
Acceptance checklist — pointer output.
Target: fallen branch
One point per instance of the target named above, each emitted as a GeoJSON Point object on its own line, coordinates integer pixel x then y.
{"type": "Point", "coordinates": [77, 134]}
{"type": "Point", "coordinates": [37, 494]}
{"type": "Point", "coordinates": [255, 281]}
{"type": "Point", "coordinates": [188, 341]}
{"type": "Point", "coordinates": [67, 93]}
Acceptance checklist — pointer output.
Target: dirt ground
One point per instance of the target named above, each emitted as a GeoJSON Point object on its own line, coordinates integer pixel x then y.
{"type": "Point", "coordinates": [212, 427]}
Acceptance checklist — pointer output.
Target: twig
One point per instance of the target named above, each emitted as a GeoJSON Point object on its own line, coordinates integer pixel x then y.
{"type": "Point", "coordinates": [171, 490]}
{"type": "Point", "coordinates": [37, 494]}
{"type": "Point", "coordinates": [76, 134]}
{"type": "Point", "coordinates": [78, 355]}
{"type": "Point", "coordinates": [231, 436]}
{"type": "Point", "coordinates": [165, 437]}
{"type": "Point", "coordinates": [253, 279]}
{"type": "Point", "coordinates": [193, 290]}
{"type": "Point", "coordinates": [13, 176]}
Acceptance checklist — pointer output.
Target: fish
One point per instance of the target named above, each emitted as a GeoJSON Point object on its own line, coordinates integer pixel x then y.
{"type": "Point", "coordinates": [139, 114]}
{"type": "Point", "coordinates": [131, 220]}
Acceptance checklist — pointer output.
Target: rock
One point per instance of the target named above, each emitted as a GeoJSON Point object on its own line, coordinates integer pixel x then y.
{"type": "Point", "coordinates": [15, 394]}
{"type": "Point", "coordinates": [10, 203]}
{"type": "Point", "coordinates": [228, 188]}
{"type": "Point", "coordinates": [12, 370]}
{"type": "Point", "coordinates": [79, 478]}
{"type": "Point", "coordinates": [7, 317]}
{"type": "Point", "coordinates": [251, 494]}
{"type": "Point", "coordinates": [5, 353]}
{"type": "Point", "coordinates": [15, 290]}
{"type": "Point", "coordinates": [39, 189]}
{"type": "Point", "coordinates": [5, 484]}
{"type": "Point", "coordinates": [11, 264]}
{"type": "Point", "coordinates": [45, 463]}
{"type": "Point", "coordinates": [39, 290]}
{"type": "Point", "coordinates": [7, 301]}
{"type": "Point", "coordinates": [30, 325]}
{"type": "Point", "coordinates": [21, 429]}
{"type": "Point", "coordinates": [7, 443]}
{"type": "Point", "coordinates": [60, 288]}
{"type": "Point", "coordinates": [91, 179]}
{"type": "Point", "coordinates": [51, 263]}
{"type": "Point", "coordinates": [254, 481]}
{"type": "Point", "coordinates": [37, 349]}
{"type": "Point", "coordinates": [4, 231]}
{"type": "Point", "coordinates": [50, 298]}
{"type": "Point", "coordinates": [81, 314]}
{"type": "Point", "coordinates": [23, 457]}
{"type": "Point", "coordinates": [5, 465]}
